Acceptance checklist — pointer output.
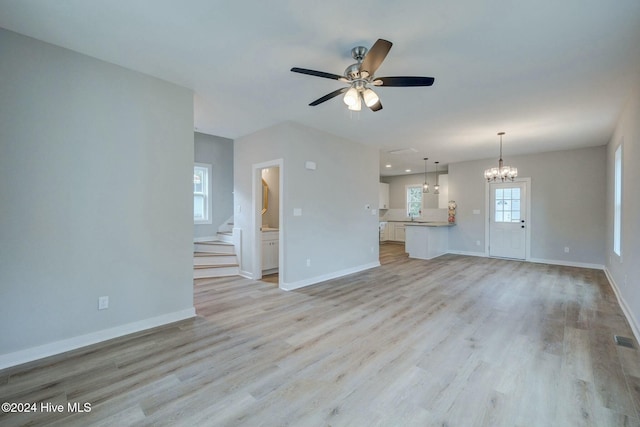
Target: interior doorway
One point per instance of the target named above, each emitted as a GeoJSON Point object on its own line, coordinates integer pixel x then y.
{"type": "Point", "coordinates": [268, 221]}
{"type": "Point", "coordinates": [508, 228]}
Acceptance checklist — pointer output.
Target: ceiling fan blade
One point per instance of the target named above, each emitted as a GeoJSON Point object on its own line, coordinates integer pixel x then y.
{"type": "Point", "coordinates": [328, 96]}
{"type": "Point", "coordinates": [376, 107]}
{"type": "Point", "coordinates": [404, 81]}
{"type": "Point", "coordinates": [318, 73]}
{"type": "Point", "coordinates": [375, 56]}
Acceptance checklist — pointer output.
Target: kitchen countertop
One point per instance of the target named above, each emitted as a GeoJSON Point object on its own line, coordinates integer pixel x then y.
{"type": "Point", "coordinates": [423, 223]}
{"type": "Point", "coordinates": [429, 224]}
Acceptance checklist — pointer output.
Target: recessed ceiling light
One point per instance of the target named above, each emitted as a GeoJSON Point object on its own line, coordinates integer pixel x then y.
{"type": "Point", "coordinates": [387, 166]}
{"type": "Point", "coordinates": [407, 170]}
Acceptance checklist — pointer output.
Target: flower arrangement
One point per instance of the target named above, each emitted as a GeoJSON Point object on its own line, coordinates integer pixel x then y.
{"type": "Point", "coordinates": [452, 211]}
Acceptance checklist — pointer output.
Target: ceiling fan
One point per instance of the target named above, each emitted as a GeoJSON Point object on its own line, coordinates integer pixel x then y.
{"type": "Point", "coordinates": [361, 75]}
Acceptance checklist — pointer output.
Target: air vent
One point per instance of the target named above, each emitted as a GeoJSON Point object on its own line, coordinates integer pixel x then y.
{"type": "Point", "coordinates": [623, 341]}
{"type": "Point", "coordinates": [403, 151]}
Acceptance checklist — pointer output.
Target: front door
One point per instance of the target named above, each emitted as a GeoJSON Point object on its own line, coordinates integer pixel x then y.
{"type": "Point", "coordinates": [507, 220]}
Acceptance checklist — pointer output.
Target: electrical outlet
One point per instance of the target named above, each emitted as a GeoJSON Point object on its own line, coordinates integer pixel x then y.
{"type": "Point", "coordinates": [308, 262]}
{"type": "Point", "coordinates": [477, 242]}
{"type": "Point", "coordinates": [103, 303]}
{"type": "Point", "coordinates": [566, 249]}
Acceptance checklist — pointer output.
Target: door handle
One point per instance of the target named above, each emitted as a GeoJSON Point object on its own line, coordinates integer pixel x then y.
{"type": "Point", "coordinates": [522, 221]}
{"type": "Point", "coordinates": [522, 226]}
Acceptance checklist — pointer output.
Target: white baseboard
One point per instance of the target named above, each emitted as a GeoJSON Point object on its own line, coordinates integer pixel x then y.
{"type": "Point", "coordinates": [51, 349]}
{"type": "Point", "coordinates": [324, 277]}
{"type": "Point", "coordinates": [246, 274]}
{"type": "Point", "coordinates": [566, 263]}
{"type": "Point", "coordinates": [480, 254]}
{"type": "Point", "coordinates": [536, 260]}
{"type": "Point", "coordinates": [623, 304]}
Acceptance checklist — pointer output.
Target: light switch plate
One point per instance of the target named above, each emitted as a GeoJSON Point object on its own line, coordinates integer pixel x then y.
{"type": "Point", "coordinates": [297, 212]}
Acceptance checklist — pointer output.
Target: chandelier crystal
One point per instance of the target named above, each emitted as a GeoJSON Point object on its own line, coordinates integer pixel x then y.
{"type": "Point", "coordinates": [503, 173]}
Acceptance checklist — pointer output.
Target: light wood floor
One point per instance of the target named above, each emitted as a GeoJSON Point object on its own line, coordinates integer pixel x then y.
{"type": "Point", "coordinates": [456, 341]}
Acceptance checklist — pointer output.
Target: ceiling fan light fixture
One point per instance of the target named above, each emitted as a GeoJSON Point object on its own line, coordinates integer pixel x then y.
{"type": "Point", "coordinates": [352, 97]}
{"type": "Point", "coordinates": [370, 97]}
{"type": "Point", "coordinates": [357, 105]}
{"type": "Point", "coordinates": [361, 74]}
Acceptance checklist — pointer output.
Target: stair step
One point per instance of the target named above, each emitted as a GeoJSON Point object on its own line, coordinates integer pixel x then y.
{"type": "Point", "coordinates": [211, 259]}
{"type": "Point", "coordinates": [214, 247]}
{"type": "Point", "coordinates": [220, 271]}
{"type": "Point", "coordinates": [200, 267]}
{"type": "Point", "coordinates": [225, 236]}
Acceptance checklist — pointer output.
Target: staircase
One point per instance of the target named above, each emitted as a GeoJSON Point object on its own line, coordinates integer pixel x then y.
{"type": "Point", "coordinates": [216, 258]}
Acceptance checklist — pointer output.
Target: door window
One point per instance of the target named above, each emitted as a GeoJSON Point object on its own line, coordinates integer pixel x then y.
{"type": "Point", "coordinates": [507, 205]}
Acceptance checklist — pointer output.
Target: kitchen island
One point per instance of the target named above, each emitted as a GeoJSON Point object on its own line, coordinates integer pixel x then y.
{"type": "Point", "coordinates": [427, 240]}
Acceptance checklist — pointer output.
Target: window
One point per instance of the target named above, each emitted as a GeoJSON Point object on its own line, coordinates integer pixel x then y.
{"type": "Point", "coordinates": [414, 200]}
{"type": "Point", "coordinates": [617, 202]}
{"type": "Point", "coordinates": [507, 207]}
{"type": "Point", "coordinates": [201, 196]}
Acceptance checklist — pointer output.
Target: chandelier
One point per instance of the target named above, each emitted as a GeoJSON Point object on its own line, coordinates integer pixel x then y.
{"type": "Point", "coordinates": [501, 172]}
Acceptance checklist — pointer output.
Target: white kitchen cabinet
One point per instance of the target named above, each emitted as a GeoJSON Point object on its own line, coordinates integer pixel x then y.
{"type": "Point", "coordinates": [399, 234]}
{"type": "Point", "coordinates": [384, 231]}
{"type": "Point", "coordinates": [383, 195]}
{"type": "Point", "coordinates": [427, 242]}
{"type": "Point", "coordinates": [270, 251]}
{"type": "Point", "coordinates": [390, 231]}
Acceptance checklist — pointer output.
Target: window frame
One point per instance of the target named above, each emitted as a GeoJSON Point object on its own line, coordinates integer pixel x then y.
{"type": "Point", "coordinates": [205, 194]}
{"type": "Point", "coordinates": [406, 195]}
{"type": "Point", "coordinates": [617, 200]}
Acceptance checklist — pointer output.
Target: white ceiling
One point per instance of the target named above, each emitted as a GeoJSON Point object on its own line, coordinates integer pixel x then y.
{"type": "Point", "coordinates": [551, 74]}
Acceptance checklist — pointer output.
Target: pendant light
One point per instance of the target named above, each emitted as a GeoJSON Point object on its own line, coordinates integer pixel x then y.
{"type": "Point", "coordinates": [425, 186]}
{"type": "Point", "coordinates": [502, 172]}
{"type": "Point", "coordinates": [437, 186]}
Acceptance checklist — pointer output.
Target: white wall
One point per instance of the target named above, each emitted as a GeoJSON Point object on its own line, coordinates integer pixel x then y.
{"type": "Point", "coordinates": [217, 152]}
{"type": "Point", "coordinates": [624, 271]}
{"type": "Point", "coordinates": [567, 204]}
{"type": "Point", "coordinates": [335, 231]}
{"type": "Point", "coordinates": [95, 199]}
{"type": "Point", "coordinates": [399, 183]}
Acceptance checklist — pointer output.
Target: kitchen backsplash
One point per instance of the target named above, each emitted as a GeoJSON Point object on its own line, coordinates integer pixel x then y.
{"type": "Point", "coordinates": [427, 215]}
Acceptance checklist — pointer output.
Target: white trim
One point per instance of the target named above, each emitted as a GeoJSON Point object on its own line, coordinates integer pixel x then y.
{"type": "Point", "coordinates": [256, 237]}
{"type": "Point", "coordinates": [628, 313]}
{"type": "Point", "coordinates": [207, 192]}
{"type": "Point", "coordinates": [324, 277]}
{"type": "Point", "coordinates": [535, 260]}
{"type": "Point", "coordinates": [62, 346]}
{"type": "Point", "coordinates": [566, 263]}
{"type": "Point", "coordinates": [479, 254]}
{"type": "Point", "coordinates": [246, 274]}
{"type": "Point", "coordinates": [406, 200]}
{"type": "Point", "coordinates": [487, 216]}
